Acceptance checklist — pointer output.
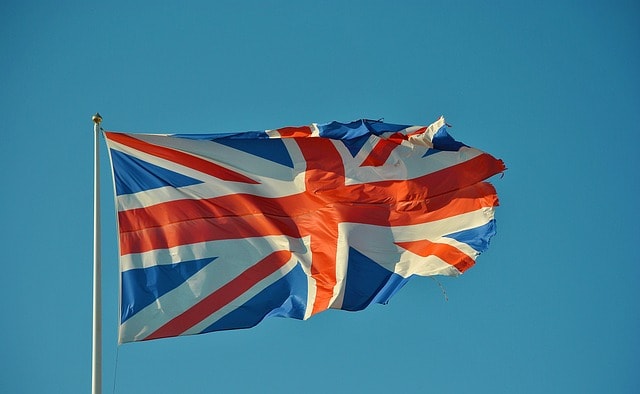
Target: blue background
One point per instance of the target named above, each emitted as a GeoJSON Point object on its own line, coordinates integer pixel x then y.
{"type": "Point", "coordinates": [551, 87]}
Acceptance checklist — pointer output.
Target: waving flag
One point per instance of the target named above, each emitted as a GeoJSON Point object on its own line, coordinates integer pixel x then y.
{"type": "Point", "coordinates": [219, 231]}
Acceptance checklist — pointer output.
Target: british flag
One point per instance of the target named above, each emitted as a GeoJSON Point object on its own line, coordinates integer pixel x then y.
{"type": "Point", "coordinates": [219, 231]}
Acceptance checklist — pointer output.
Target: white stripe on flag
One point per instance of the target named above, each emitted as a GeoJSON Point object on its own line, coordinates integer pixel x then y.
{"type": "Point", "coordinates": [253, 249]}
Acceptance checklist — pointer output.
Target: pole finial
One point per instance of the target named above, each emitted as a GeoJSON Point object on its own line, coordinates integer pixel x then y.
{"type": "Point", "coordinates": [97, 118]}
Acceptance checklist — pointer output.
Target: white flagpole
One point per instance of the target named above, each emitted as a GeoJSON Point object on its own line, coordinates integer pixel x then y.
{"type": "Point", "coordinates": [96, 356]}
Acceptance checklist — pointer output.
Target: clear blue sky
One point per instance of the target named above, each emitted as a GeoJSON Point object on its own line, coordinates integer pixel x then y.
{"type": "Point", "coordinates": [551, 87]}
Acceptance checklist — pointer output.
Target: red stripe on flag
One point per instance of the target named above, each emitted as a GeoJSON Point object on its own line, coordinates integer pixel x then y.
{"type": "Point", "coordinates": [447, 180]}
{"type": "Point", "coordinates": [205, 229]}
{"type": "Point", "coordinates": [394, 193]}
{"type": "Point", "coordinates": [147, 232]}
{"type": "Point", "coordinates": [223, 296]}
{"type": "Point", "coordinates": [325, 191]}
{"type": "Point", "coordinates": [182, 158]}
{"type": "Point", "coordinates": [189, 221]}
{"type": "Point", "coordinates": [419, 131]}
{"type": "Point", "coordinates": [324, 179]}
{"type": "Point", "coordinates": [449, 254]}
{"type": "Point", "coordinates": [189, 209]}
{"type": "Point", "coordinates": [463, 174]}
{"type": "Point", "coordinates": [379, 154]}
{"type": "Point", "coordinates": [469, 199]}
{"type": "Point", "coordinates": [293, 207]}
{"type": "Point", "coordinates": [291, 132]}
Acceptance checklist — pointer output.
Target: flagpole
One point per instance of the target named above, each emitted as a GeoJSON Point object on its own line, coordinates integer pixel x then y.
{"type": "Point", "coordinates": [96, 356]}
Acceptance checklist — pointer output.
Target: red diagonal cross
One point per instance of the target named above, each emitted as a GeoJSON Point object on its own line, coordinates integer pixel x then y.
{"type": "Point", "coordinates": [314, 212]}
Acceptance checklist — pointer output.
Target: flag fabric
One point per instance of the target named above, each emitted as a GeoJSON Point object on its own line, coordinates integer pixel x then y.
{"type": "Point", "coordinates": [219, 231]}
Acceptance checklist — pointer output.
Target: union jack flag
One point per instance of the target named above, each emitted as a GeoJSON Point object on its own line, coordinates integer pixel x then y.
{"type": "Point", "coordinates": [219, 231]}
